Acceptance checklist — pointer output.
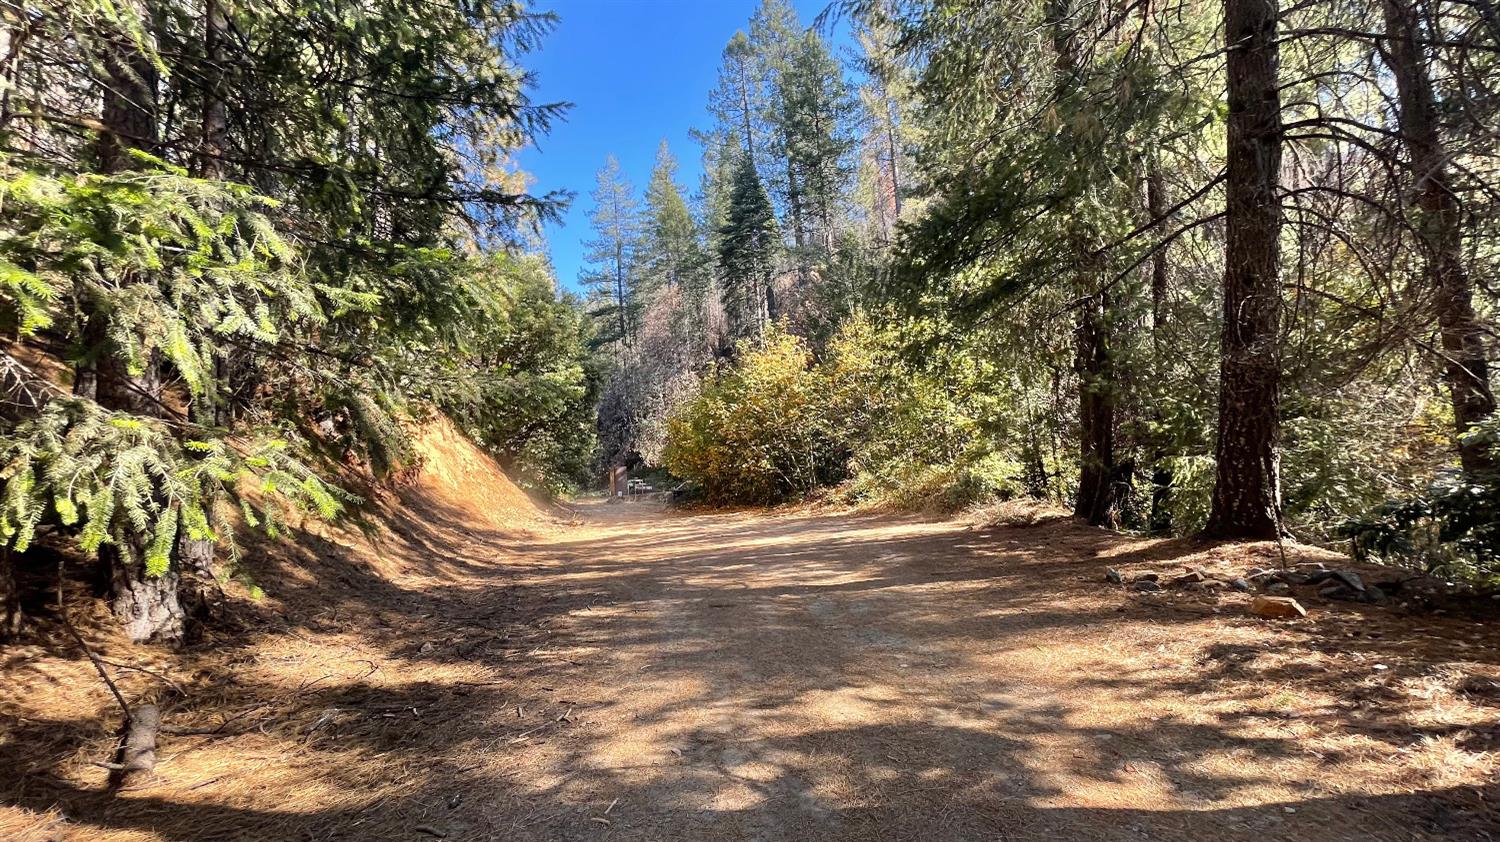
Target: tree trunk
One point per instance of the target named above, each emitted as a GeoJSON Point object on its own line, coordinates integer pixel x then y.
{"type": "Point", "coordinates": [1438, 226]}
{"type": "Point", "coordinates": [147, 606]}
{"type": "Point", "coordinates": [1247, 490]}
{"type": "Point", "coordinates": [202, 596]}
{"type": "Point", "coordinates": [1098, 501]}
{"type": "Point", "coordinates": [10, 598]}
{"type": "Point", "coordinates": [1160, 519]}
{"type": "Point", "coordinates": [215, 114]}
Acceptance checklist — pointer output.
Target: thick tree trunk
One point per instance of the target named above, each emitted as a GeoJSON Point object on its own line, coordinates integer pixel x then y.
{"type": "Point", "coordinates": [1098, 498]}
{"type": "Point", "coordinates": [129, 108]}
{"type": "Point", "coordinates": [1160, 519]}
{"type": "Point", "coordinates": [147, 606]}
{"type": "Point", "coordinates": [1439, 230]}
{"type": "Point", "coordinates": [1247, 490]}
{"type": "Point", "coordinates": [202, 596]}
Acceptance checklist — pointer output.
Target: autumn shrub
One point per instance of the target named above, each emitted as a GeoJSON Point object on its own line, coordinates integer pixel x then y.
{"type": "Point", "coordinates": [778, 425]}
{"type": "Point", "coordinates": [761, 431]}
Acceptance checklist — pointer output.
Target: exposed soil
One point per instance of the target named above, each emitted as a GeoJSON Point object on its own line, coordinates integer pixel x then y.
{"type": "Point", "coordinates": [640, 674]}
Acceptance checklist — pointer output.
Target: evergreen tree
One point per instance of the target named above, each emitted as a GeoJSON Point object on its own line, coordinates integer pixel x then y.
{"type": "Point", "coordinates": [747, 254]}
{"type": "Point", "coordinates": [147, 230]}
{"type": "Point", "coordinates": [611, 257]}
{"type": "Point", "coordinates": [812, 132]}
{"type": "Point", "coordinates": [671, 255]}
{"type": "Point", "coordinates": [738, 101]}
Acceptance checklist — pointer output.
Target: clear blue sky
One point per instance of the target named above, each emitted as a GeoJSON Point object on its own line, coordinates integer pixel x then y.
{"type": "Point", "coordinates": [636, 71]}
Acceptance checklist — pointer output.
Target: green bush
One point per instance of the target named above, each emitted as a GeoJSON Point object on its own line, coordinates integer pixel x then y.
{"type": "Point", "coordinates": [1452, 528]}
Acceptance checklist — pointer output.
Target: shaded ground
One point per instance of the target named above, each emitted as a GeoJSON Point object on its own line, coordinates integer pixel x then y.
{"type": "Point", "coordinates": [643, 675]}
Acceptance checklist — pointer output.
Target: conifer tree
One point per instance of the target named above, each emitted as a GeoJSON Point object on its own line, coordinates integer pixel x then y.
{"type": "Point", "coordinates": [747, 253]}
{"type": "Point", "coordinates": [671, 255]}
{"type": "Point", "coordinates": [611, 257]}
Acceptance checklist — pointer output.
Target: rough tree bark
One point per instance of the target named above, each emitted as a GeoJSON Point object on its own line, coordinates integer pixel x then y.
{"type": "Point", "coordinates": [1097, 502]}
{"type": "Point", "coordinates": [138, 748]}
{"type": "Point", "coordinates": [1160, 519]}
{"type": "Point", "coordinates": [1439, 230]}
{"type": "Point", "coordinates": [147, 606]}
{"type": "Point", "coordinates": [10, 598]}
{"type": "Point", "coordinates": [1099, 498]}
{"type": "Point", "coordinates": [1247, 488]}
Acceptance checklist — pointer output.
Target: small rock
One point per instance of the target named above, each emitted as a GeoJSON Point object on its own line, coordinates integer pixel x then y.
{"type": "Point", "coordinates": [426, 649]}
{"type": "Point", "coordinates": [1147, 577]}
{"type": "Point", "coordinates": [1276, 607]}
{"type": "Point", "coordinates": [1113, 576]}
{"type": "Point", "coordinates": [1190, 576]}
{"type": "Point", "coordinates": [1241, 585]}
{"type": "Point", "coordinates": [1146, 585]}
{"type": "Point", "coordinates": [1374, 594]}
{"type": "Point", "coordinates": [1278, 589]}
{"type": "Point", "coordinates": [1318, 577]}
{"type": "Point", "coordinates": [1350, 578]}
{"type": "Point", "coordinates": [1340, 592]}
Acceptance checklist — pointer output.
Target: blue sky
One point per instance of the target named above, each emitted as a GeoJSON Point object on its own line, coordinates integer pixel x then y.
{"type": "Point", "coordinates": [636, 71]}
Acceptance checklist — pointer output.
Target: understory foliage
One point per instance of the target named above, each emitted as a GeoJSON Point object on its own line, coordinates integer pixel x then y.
{"type": "Point", "coordinates": [1452, 527]}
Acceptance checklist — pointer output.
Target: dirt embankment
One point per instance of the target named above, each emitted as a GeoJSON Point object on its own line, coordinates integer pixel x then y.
{"type": "Point", "coordinates": [476, 669]}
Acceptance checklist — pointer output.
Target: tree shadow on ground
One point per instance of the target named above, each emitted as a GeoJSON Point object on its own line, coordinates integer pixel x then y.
{"type": "Point", "coordinates": [737, 677]}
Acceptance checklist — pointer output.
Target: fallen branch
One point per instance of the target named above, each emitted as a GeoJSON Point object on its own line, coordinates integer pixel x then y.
{"type": "Point", "coordinates": [137, 753]}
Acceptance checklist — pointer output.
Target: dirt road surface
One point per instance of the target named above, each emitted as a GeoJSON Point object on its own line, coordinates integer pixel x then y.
{"type": "Point", "coordinates": [650, 675]}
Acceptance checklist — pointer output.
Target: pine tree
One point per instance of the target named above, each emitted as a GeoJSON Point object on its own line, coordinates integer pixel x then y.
{"type": "Point", "coordinates": [747, 254]}
{"type": "Point", "coordinates": [611, 257]}
{"type": "Point", "coordinates": [671, 255]}
{"type": "Point", "coordinates": [1247, 481]}
{"type": "Point", "coordinates": [150, 239]}
{"type": "Point", "coordinates": [811, 127]}
{"type": "Point", "coordinates": [738, 101]}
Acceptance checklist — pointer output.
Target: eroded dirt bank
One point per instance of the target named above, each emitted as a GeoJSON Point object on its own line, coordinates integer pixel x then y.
{"type": "Point", "coordinates": [641, 674]}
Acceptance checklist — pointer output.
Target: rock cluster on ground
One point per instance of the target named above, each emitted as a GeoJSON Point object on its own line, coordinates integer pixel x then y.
{"type": "Point", "coordinates": [1274, 589]}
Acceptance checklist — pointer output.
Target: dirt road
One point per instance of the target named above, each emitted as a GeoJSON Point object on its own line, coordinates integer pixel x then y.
{"type": "Point", "coordinates": [645, 675]}
{"type": "Point", "coordinates": [859, 678]}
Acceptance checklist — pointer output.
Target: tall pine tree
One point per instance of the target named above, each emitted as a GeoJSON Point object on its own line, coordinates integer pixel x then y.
{"type": "Point", "coordinates": [611, 270]}
{"type": "Point", "coordinates": [747, 253]}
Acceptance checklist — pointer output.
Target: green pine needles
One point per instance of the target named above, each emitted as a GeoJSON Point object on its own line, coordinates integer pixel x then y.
{"type": "Point", "coordinates": [180, 269]}
{"type": "Point", "coordinates": [134, 481]}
